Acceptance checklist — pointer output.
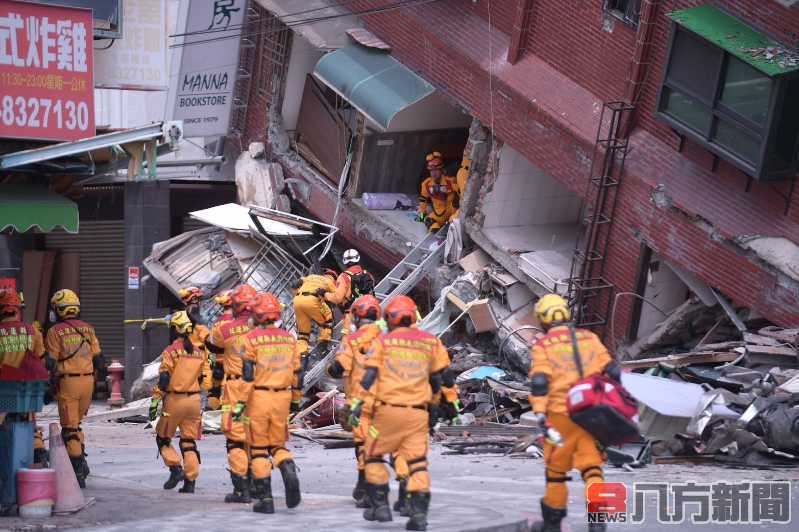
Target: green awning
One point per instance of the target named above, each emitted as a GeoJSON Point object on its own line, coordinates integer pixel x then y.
{"type": "Point", "coordinates": [372, 81]}
{"type": "Point", "coordinates": [23, 208]}
{"type": "Point", "coordinates": [740, 40]}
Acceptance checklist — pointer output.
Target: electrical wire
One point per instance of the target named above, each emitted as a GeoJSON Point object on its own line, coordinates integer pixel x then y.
{"type": "Point", "coordinates": [613, 313]}
{"type": "Point", "coordinates": [109, 45]}
{"type": "Point", "coordinates": [373, 11]}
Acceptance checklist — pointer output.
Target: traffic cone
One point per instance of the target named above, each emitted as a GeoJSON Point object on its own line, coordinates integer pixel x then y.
{"type": "Point", "coordinates": [69, 497]}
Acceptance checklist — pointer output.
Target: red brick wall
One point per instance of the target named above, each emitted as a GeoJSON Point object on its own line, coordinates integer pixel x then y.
{"type": "Point", "coordinates": [570, 37]}
{"type": "Point", "coordinates": [450, 59]}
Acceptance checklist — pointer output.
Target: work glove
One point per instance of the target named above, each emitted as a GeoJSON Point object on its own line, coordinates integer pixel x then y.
{"type": "Point", "coordinates": [540, 419]}
{"type": "Point", "coordinates": [320, 292]}
{"type": "Point", "coordinates": [99, 365]}
{"type": "Point", "coordinates": [420, 216]}
{"type": "Point", "coordinates": [356, 408]}
{"type": "Point", "coordinates": [49, 363]}
{"type": "Point", "coordinates": [433, 412]}
{"type": "Point", "coordinates": [295, 406]}
{"type": "Point", "coordinates": [153, 412]}
{"type": "Point", "coordinates": [238, 410]}
{"type": "Point", "coordinates": [452, 411]}
{"type": "Point", "coordinates": [550, 433]}
{"type": "Point", "coordinates": [428, 222]}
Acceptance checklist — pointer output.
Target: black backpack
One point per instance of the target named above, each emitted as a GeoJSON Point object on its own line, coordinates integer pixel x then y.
{"type": "Point", "coordinates": [362, 284]}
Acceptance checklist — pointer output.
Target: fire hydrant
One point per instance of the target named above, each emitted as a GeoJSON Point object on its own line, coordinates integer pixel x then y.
{"type": "Point", "coordinates": [116, 370]}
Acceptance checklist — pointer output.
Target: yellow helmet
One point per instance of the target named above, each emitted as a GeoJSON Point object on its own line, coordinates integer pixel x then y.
{"type": "Point", "coordinates": [65, 303]}
{"type": "Point", "coordinates": [552, 308]}
{"type": "Point", "coordinates": [181, 323]}
{"type": "Point", "coordinates": [190, 294]}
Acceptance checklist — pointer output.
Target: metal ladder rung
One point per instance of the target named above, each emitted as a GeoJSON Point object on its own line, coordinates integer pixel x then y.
{"type": "Point", "coordinates": [411, 265]}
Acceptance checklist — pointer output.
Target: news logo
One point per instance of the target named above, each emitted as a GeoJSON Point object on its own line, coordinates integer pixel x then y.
{"type": "Point", "coordinates": [607, 502]}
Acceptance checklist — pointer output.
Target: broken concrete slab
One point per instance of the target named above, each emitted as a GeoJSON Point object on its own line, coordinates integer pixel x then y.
{"type": "Point", "coordinates": [667, 406]}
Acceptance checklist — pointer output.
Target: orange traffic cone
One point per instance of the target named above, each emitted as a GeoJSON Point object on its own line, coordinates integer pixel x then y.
{"type": "Point", "coordinates": [69, 497]}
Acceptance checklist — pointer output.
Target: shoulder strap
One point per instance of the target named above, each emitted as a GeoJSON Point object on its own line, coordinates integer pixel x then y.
{"type": "Point", "coordinates": [578, 361]}
{"type": "Point", "coordinates": [83, 340]}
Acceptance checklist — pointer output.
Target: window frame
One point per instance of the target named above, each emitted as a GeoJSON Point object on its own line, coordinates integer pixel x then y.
{"type": "Point", "coordinates": [624, 16]}
{"type": "Point", "coordinates": [765, 134]}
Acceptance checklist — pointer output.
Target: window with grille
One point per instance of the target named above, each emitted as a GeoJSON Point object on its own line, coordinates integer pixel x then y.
{"type": "Point", "coordinates": [628, 11]}
{"type": "Point", "coordinates": [739, 112]}
{"type": "Point", "coordinates": [273, 41]}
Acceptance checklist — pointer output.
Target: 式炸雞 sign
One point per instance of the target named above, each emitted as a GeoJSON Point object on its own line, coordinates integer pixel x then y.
{"type": "Point", "coordinates": [46, 83]}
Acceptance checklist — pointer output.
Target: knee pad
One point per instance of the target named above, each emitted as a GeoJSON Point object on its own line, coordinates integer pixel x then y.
{"type": "Point", "coordinates": [189, 446]}
{"type": "Point", "coordinates": [592, 472]}
{"type": "Point", "coordinates": [417, 465]}
{"type": "Point", "coordinates": [70, 434]}
{"type": "Point", "coordinates": [162, 442]}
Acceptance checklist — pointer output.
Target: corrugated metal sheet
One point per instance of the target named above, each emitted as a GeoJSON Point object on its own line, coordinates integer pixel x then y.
{"type": "Point", "coordinates": [102, 278]}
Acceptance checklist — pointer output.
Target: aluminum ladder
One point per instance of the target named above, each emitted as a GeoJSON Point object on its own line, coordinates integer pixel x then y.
{"type": "Point", "coordinates": [399, 281]}
{"type": "Point", "coordinates": [410, 270]}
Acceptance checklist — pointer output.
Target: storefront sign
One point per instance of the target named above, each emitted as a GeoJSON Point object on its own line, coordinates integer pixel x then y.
{"type": "Point", "coordinates": [46, 82]}
{"type": "Point", "coordinates": [137, 60]}
{"type": "Point", "coordinates": [207, 60]}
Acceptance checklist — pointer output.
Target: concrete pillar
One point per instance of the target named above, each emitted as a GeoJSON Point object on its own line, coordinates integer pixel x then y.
{"type": "Point", "coordinates": [147, 221]}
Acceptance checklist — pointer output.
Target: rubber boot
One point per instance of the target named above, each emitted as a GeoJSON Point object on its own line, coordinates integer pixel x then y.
{"type": "Point", "coordinates": [175, 476]}
{"type": "Point", "coordinates": [241, 490]}
{"type": "Point", "coordinates": [291, 483]}
{"type": "Point", "coordinates": [359, 493]}
{"type": "Point", "coordinates": [264, 503]}
{"type": "Point", "coordinates": [401, 505]}
{"type": "Point", "coordinates": [78, 465]}
{"type": "Point", "coordinates": [188, 487]}
{"type": "Point", "coordinates": [418, 504]}
{"type": "Point", "coordinates": [378, 509]}
{"type": "Point", "coordinates": [552, 518]}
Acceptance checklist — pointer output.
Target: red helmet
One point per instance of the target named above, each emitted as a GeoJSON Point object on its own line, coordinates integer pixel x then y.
{"type": "Point", "coordinates": [366, 308]}
{"type": "Point", "coordinates": [265, 308]}
{"type": "Point", "coordinates": [401, 312]}
{"type": "Point", "coordinates": [241, 296]}
{"type": "Point", "coordinates": [10, 301]}
{"type": "Point", "coordinates": [190, 294]}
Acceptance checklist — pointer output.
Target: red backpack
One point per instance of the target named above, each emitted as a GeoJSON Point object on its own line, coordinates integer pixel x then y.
{"type": "Point", "coordinates": [601, 405]}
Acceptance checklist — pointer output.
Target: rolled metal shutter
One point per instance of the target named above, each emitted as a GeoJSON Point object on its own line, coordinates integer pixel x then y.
{"type": "Point", "coordinates": [101, 245]}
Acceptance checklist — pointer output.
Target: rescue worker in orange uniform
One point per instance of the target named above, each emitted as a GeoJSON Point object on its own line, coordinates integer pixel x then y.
{"type": "Point", "coordinates": [21, 344]}
{"type": "Point", "coordinates": [439, 192]}
{"type": "Point", "coordinates": [74, 352]}
{"type": "Point", "coordinates": [273, 366]}
{"type": "Point", "coordinates": [218, 365]}
{"type": "Point", "coordinates": [191, 296]}
{"type": "Point", "coordinates": [311, 306]}
{"type": "Point", "coordinates": [184, 369]}
{"type": "Point", "coordinates": [350, 361]}
{"type": "Point", "coordinates": [225, 341]}
{"type": "Point", "coordinates": [462, 178]}
{"type": "Point", "coordinates": [21, 353]}
{"type": "Point", "coordinates": [404, 369]}
{"type": "Point", "coordinates": [553, 372]}
{"type": "Point", "coordinates": [354, 281]}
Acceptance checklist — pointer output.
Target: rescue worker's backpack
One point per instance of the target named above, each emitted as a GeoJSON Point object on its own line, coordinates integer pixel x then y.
{"type": "Point", "coordinates": [362, 284]}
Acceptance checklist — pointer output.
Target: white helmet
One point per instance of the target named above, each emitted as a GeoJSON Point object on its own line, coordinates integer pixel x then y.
{"type": "Point", "coordinates": [351, 256]}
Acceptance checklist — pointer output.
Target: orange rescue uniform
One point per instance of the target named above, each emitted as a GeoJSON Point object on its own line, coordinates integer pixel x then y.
{"type": "Point", "coordinates": [276, 355]}
{"type": "Point", "coordinates": [352, 357]}
{"type": "Point", "coordinates": [228, 337]}
{"type": "Point", "coordinates": [553, 356]}
{"type": "Point", "coordinates": [310, 308]}
{"type": "Point", "coordinates": [188, 371]}
{"type": "Point", "coordinates": [344, 293]}
{"type": "Point", "coordinates": [405, 358]}
{"type": "Point", "coordinates": [217, 369]}
{"type": "Point", "coordinates": [442, 197]}
{"type": "Point", "coordinates": [18, 341]}
{"type": "Point", "coordinates": [73, 344]}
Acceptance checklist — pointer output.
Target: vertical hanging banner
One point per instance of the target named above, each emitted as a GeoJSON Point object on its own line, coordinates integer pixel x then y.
{"type": "Point", "coordinates": [46, 83]}
{"type": "Point", "coordinates": [137, 61]}
{"type": "Point", "coordinates": [207, 57]}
